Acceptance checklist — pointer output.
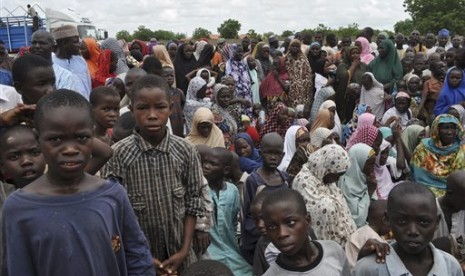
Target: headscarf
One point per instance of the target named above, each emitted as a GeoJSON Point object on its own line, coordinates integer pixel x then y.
{"type": "Point", "coordinates": [353, 183]}
{"type": "Point", "coordinates": [290, 145]}
{"type": "Point", "coordinates": [271, 124]}
{"type": "Point", "coordinates": [323, 119]}
{"type": "Point", "coordinates": [300, 77]}
{"type": "Point", "coordinates": [461, 112]}
{"type": "Point", "coordinates": [192, 102]}
{"type": "Point", "coordinates": [240, 72]}
{"type": "Point", "coordinates": [160, 52]}
{"type": "Point", "coordinates": [383, 176]}
{"type": "Point", "coordinates": [223, 118]}
{"type": "Point", "coordinates": [337, 122]}
{"type": "Point", "coordinates": [116, 48]}
{"type": "Point", "coordinates": [215, 139]}
{"type": "Point", "coordinates": [431, 162]}
{"type": "Point", "coordinates": [103, 70]}
{"type": "Point", "coordinates": [318, 136]}
{"type": "Point", "coordinates": [331, 218]}
{"type": "Point", "coordinates": [258, 54]}
{"type": "Point", "coordinates": [253, 161]}
{"type": "Point", "coordinates": [94, 55]}
{"type": "Point", "coordinates": [387, 69]}
{"type": "Point", "coordinates": [143, 46]}
{"type": "Point", "coordinates": [410, 137]}
{"type": "Point", "coordinates": [227, 52]}
{"type": "Point", "coordinates": [364, 134]}
{"type": "Point", "coordinates": [320, 97]}
{"type": "Point", "coordinates": [182, 67]}
{"type": "Point", "coordinates": [374, 97]}
{"type": "Point", "coordinates": [206, 56]}
{"type": "Point", "coordinates": [270, 87]}
{"type": "Point", "coordinates": [199, 45]}
{"type": "Point", "coordinates": [386, 132]}
{"type": "Point", "coordinates": [349, 128]}
{"type": "Point", "coordinates": [365, 53]}
{"type": "Point", "coordinates": [450, 95]}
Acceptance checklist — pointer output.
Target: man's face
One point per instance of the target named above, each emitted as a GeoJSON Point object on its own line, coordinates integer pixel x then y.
{"type": "Point", "coordinates": [42, 45]}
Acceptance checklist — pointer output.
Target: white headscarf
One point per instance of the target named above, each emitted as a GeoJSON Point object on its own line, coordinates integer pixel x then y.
{"type": "Point", "coordinates": [289, 146]}
{"type": "Point", "coordinates": [383, 176]}
{"type": "Point", "coordinates": [374, 97]}
{"type": "Point", "coordinates": [337, 127]}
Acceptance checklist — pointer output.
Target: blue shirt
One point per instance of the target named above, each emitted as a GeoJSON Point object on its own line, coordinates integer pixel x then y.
{"type": "Point", "coordinates": [78, 66]}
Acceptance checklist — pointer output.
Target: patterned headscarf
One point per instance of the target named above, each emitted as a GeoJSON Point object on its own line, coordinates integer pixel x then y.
{"type": "Point", "coordinates": [192, 102]}
{"type": "Point", "coordinates": [365, 134]}
{"type": "Point", "coordinates": [272, 125]}
{"type": "Point", "coordinates": [317, 137]}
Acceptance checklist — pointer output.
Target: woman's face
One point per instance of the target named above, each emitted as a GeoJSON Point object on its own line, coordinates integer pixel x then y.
{"type": "Point", "coordinates": [242, 147]}
{"type": "Point", "coordinates": [315, 50]}
{"type": "Point", "coordinates": [447, 133]}
{"type": "Point", "coordinates": [224, 97]}
{"type": "Point", "coordinates": [188, 51]}
{"type": "Point", "coordinates": [205, 128]}
{"type": "Point", "coordinates": [294, 48]}
{"type": "Point", "coordinates": [172, 50]}
{"type": "Point", "coordinates": [402, 104]}
{"type": "Point", "coordinates": [265, 52]}
{"type": "Point", "coordinates": [382, 51]}
{"type": "Point", "coordinates": [354, 54]}
{"type": "Point", "coordinates": [283, 116]}
{"type": "Point", "coordinates": [367, 82]}
{"type": "Point", "coordinates": [332, 123]}
{"type": "Point", "coordinates": [414, 84]}
{"type": "Point", "coordinates": [359, 45]}
{"type": "Point", "coordinates": [238, 54]}
{"type": "Point", "coordinates": [205, 76]}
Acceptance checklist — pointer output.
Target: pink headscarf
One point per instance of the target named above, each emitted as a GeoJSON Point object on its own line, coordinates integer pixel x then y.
{"type": "Point", "coordinates": [366, 135]}
{"type": "Point", "coordinates": [365, 54]}
{"type": "Point", "coordinates": [366, 119]}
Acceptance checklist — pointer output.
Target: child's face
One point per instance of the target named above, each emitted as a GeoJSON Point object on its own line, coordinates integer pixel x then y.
{"type": "Point", "coordinates": [231, 84]}
{"type": "Point", "coordinates": [22, 158]}
{"type": "Point", "coordinates": [283, 117]}
{"type": "Point", "coordinates": [272, 155]}
{"type": "Point", "coordinates": [40, 82]}
{"type": "Point", "coordinates": [286, 227]}
{"type": "Point", "coordinates": [213, 167]}
{"type": "Point", "coordinates": [65, 137]}
{"type": "Point", "coordinates": [413, 222]}
{"type": "Point", "coordinates": [205, 76]}
{"type": "Point", "coordinates": [168, 75]}
{"type": "Point", "coordinates": [151, 109]}
{"type": "Point", "coordinates": [455, 78]}
{"type": "Point", "coordinates": [119, 86]}
{"type": "Point", "coordinates": [106, 112]}
{"type": "Point", "coordinates": [414, 84]}
{"type": "Point", "coordinates": [257, 215]}
{"type": "Point", "coordinates": [450, 58]}
{"type": "Point", "coordinates": [243, 148]}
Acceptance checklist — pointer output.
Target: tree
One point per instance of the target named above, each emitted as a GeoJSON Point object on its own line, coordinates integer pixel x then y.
{"type": "Point", "coordinates": [433, 15]}
{"type": "Point", "coordinates": [143, 33]}
{"type": "Point", "coordinates": [268, 34]}
{"type": "Point", "coordinates": [229, 29]}
{"type": "Point", "coordinates": [201, 33]}
{"type": "Point", "coordinates": [404, 27]}
{"type": "Point", "coordinates": [351, 30]}
{"type": "Point", "coordinates": [123, 34]}
{"type": "Point", "coordinates": [286, 34]}
{"type": "Point", "coordinates": [253, 34]}
{"type": "Point", "coordinates": [163, 35]}
{"type": "Point", "coordinates": [180, 36]}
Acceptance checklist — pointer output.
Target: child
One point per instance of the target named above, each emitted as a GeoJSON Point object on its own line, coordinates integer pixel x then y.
{"type": "Point", "coordinates": [414, 90]}
{"type": "Point", "coordinates": [226, 205]}
{"type": "Point", "coordinates": [450, 93]}
{"type": "Point", "coordinates": [268, 175]}
{"type": "Point", "coordinates": [123, 127]}
{"type": "Point", "coordinates": [375, 229]}
{"type": "Point", "coordinates": [88, 220]}
{"type": "Point", "coordinates": [413, 217]}
{"type": "Point", "coordinates": [162, 175]}
{"type": "Point", "coordinates": [105, 108]}
{"type": "Point", "coordinates": [400, 113]}
{"type": "Point", "coordinates": [260, 264]}
{"type": "Point", "coordinates": [286, 220]}
{"type": "Point", "coordinates": [178, 99]}
{"type": "Point", "coordinates": [432, 87]}
{"type": "Point", "coordinates": [373, 95]}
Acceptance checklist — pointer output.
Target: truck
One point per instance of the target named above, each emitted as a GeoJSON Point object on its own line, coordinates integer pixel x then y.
{"type": "Point", "coordinates": [16, 27]}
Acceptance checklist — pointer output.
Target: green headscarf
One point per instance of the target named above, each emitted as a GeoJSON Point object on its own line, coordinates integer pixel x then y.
{"type": "Point", "coordinates": [387, 69]}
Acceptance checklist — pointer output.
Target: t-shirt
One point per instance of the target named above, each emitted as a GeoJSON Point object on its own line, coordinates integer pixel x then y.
{"type": "Point", "coordinates": [9, 98]}
{"type": "Point", "coordinates": [94, 233]}
{"type": "Point", "coordinates": [443, 264]}
{"type": "Point", "coordinates": [330, 261]}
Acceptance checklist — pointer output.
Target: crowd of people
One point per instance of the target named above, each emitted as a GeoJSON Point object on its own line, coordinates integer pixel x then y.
{"type": "Point", "coordinates": [307, 156]}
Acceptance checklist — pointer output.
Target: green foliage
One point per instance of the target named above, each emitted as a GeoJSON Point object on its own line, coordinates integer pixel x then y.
{"type": "Point", "coordinates": [286, 34]}
{"type": "Point", "coordinates": [253, 34]}
{"type": "Point", "coordinates": [163, 35]}
{"type": "Point", "coordinates": [352, 30]}
{"type": "Point", "coordinates": [433, 15]}
{"type": "Point", "coordinates": [268, 34]}
{"type": "Point", "coordinates": [229, 29]}
{"type": "Point", "coordinates": [180, 36]}
{"type": "Point", "coordinates": [123, 34]}
{"type": "Point", "coordinates": [201, 33]}
{"type": "Point", "coordinates": [404, 27]}
{"type": "Point", "coordinates": [143, 33]}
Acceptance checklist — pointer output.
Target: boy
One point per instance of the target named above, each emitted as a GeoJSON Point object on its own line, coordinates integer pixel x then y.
{"type": "Point", "coordinates": [105, 108]}
{"type": "Point", "coordinates": [68, 222]}
{"type": "Point", "coordinates": [178, 99]}
{"type": "Point", "coordinates": [413, 217]}
{"type": "Point", "coordinates": [162, 174]}
{"type": "Point", "coordinates": [375, 228]}
{"type": "Point", "coordinates": [287, 221]}
{"type": "Point", "coordinates": [268, 175]}
{"type": "Point", "coordinates": [226, 205]}
{"type": "Point", "coordinates": [260, 264]}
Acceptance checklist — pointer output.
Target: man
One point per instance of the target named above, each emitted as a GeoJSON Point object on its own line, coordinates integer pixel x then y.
{"type": "Point", "coordinates": [443, 39]}
{"type": "Point", "coordinates": [274, 44]}
{"type": "Point", "coordinates": [35, 17]}
{"type": "Point", "coordinates": [430, 41]}
{"type": "Point", "coordinates": [42, 45]}
{"type": "Point", "coordinates": [67, 56]}
{"type": "Point", "coordinates": [415, 42]}
{"type": "Point", "coordinates": [245, 44]}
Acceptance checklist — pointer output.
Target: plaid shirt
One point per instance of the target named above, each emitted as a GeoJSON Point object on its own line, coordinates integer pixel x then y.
{"type": "Point", "coordinates": [163, 184]}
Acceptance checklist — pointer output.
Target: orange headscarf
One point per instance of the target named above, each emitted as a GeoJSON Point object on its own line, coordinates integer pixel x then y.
{"type": "Point", "coordinates": [94, 55]}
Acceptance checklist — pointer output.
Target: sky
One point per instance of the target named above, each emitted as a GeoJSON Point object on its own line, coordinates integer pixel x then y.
{"type": "Point", "coordinates": [185, 16]}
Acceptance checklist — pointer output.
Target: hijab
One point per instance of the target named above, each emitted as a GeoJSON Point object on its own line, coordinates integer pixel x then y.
{"type": "Point", "coordinates": [192, 102]}
{"type": "Point", "coordinates": [365, 54]}
{"type": "Point", "coordinates": [253, 161]}
{"type": "Point", "coordinates": [318, 136]}
{"type": "Point", "coordinates": [461, 112]}
{"type": "Point", "coordinates": [290, 145]}
{"type": "Point", "coordinates": [374, 97]}
{"type": "Point", "coordinates": [160, 52]}
{"type": "Point", "coordinates": [271, 124]}
{"type": "Point", "coordinates": [433, 143]}
{"type": "Point", "coordinates": [364, 134]}
{"type": "Point", "coordinates": [94, 54]}
{"type": "Point", "coordinates": [323, 119]}
{"type": "Point", "coordinates": [383, 176]}
{"type": "Point", "coordinates": [387, 69]}
{"type": "Point", "coordinates": [215, 139]}
{"type": "Point", "coordinates": [182, 67]}
{"type": "Point", "coordinates": [410, 137]}
{"type": "Point", "coordinates": [117, 49]}
{"type": "Point", "coordinates": [206, 56]}
{"type": "Point", "coordinates": [337, 122]}
{"type": "Point", "coordinates": [321, 96]}
{"type": "Point", "coordinates": [199, 45]}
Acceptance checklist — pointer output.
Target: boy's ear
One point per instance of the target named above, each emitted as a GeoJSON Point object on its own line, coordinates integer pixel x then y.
{"type": "Point", "coordinates": [18, 87]}
{"type": "Point", "coordinates": [308, 219]}
{"type": "Point", "coordinates": [226, 170]}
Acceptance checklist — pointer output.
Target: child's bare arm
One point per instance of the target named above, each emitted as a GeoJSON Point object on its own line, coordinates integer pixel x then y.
{"type": "Point", "coordinates": [101, 153]}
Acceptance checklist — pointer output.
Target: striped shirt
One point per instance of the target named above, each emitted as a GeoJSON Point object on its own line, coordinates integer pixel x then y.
{"type": "Point", "coordinates": [163, 184]}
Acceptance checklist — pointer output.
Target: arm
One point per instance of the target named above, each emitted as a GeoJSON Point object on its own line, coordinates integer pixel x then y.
{"type": "Point", "coordinates": [17, 115]}
{"type": "Point", "coordinates": [191, 74]}
{"type": "Point", "coordinates": [101, 153]}
{"type": "Point", "coordinates": [400, 162]}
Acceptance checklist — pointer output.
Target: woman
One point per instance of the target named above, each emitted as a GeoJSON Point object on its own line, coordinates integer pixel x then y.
{"type": "Point", "coordinates": [386, 67]}
{"type": "Point", "coordinates": [106, 68]}
{"type": "Point", "coordinates": [172, 50]}
{"type": "Point", "coordinates": [91, 53]}
{"type": "Point", "coordinates": [240, 72]}
{"type": "Point", "coordinates": [382, 173]}
{"type": "Point", "coordinates": [274, 86]}
{"type": "Point", "coordinates": [262, 54]}
{"type": "Point", "coordinates": [321, 96]}
{"type": "Point", "coordinates": [223, 119]}
{"type": "Point", "coordinates": [331, 106]}
{"type": "Point", "coordinates": [319, 138]}
{"type": "Point", "coordinates": [199, 45]}
{"type": "Point", "coordinates": [195, 99]}
{"type": "Point", "coordinates": [369, 135]}
{"type": "Point", "coordinates": [325, 118]}
{"type": "Point", "coordinates": [205, 58]}
{"type": "Point", "coordinates": [184, 63]}
{"type": "Point", "coordinates": [249, 157]}
{"type": "Point", "coordinates": [411, 136]}
{"type": "Point", "coordinates": [459, 112]}
{"type": "Point", "coordinates": [331, 218]}
{"type": "Point", "coordinates": [359, 182]}
{"type": "Point", "coordinates": [295, 136]}
{"type": "Point", "coordinates": [349, 128]}
{"type": "Point", "coordinates": [365, 51]}
{"type": "Point", "coordinates": [436, 157]}
{"type": "Point", "coordinates": [160, 52]}
{"type": "Point", "coordinates": [115, 47]}
{"type": "Point", "coordinates": [139, 45]}
{"type": "Point", "coordinates": [316, 59]}
{"type": "Point", "coordinates": [373, 94]}
{"type": "Point", "coordinates": [300, 76]}
{"type": "Point", "coordinates": [278, 120]}
{"type": "Point", "coordinates": [349, 71]}
{"type": "Point", "coordinates": [204, 131]}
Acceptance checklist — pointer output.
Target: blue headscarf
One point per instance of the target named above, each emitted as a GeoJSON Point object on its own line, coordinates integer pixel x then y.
{"type": "Point", "coordinates": [253, 161]}
{"type": "Point", "coordinates": [433, 144]}
{"type": "Point", "coordinates": [449, 95]}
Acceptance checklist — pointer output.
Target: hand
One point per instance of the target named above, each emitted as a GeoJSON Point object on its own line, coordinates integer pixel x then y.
{"type": "Point", "coordinates": [246, 103]}
{"type": "Point", "coordinates": [201, 241]}
{"type": "Point", "coordinates": [171, 265]}
{"type": "Point", "coordinates": [387, 97]}
{"type": "Point", "coordinates": [159, 267]}
{"type": "Point", "coordinates": [19, 114]}
{"type": "Point", "coordinates": [392, 119]}
{"type": "Point", "coordinates": [396, 131]}
{"type": "Point", "coordinates": [374, 246]}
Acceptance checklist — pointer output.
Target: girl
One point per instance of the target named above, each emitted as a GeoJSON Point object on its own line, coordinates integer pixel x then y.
{"type": "Point", "coordinates": [249, 157]}
{"type": "Point", "coordinates": [373, 95]}
{"type": "Point", "coordinates": [453, 91]}
{"type": "Point", "coordinates": [204, 131]}
{"type": "Point", "coordinates": [195, 98]}
{"type": "Point", "coordinates": [278, 120]}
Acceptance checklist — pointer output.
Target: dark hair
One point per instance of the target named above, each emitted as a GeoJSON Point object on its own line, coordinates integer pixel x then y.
{"type": "Point", "coordinates": [460, 58]}
{"type": "Point", "coordinates": [149, 81]}
{"type": "Point", "coordinates": [137, 55]}
{"type": "Point", "coordinates": [207, 268]}
{"type": "Point", "coordinates": [61, 98]}
{"type": "Point", "coordinates": [406, 189]}
{"type": "Point", "coordinates": [22, 66]}
{"type": "Point", "coordinates": [124, 126]}
{"type": "Point", "coordinates": [152, 65]}
{"type": "Point", "coordinates": [225, 155]}
{"type": "Point", "coordinates": [97, 93]}
{"type": "Point", "coordinates": [259, 198]}
{"type": "Point", "coordinates": [287, 196]}
{"type": "Point", "coordinates": [7, 132]}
